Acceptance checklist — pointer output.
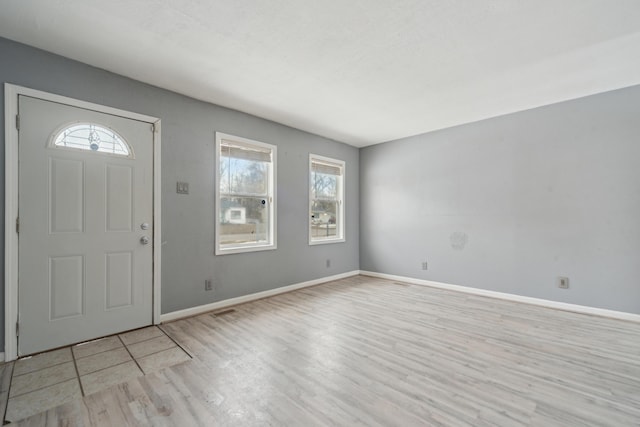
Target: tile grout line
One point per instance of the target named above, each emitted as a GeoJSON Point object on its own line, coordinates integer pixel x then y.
{"type": "Point", "coordinates": [175, 342]}
{"type": "Point", "coordinates": [42, 388]}
{"type": "Point", "coordinates": [100, 352]}
{"type": "Point", "coordinates": [160, 351]}
{"type": "Point", "coordinates": [108, 367]}
{"type": "Point", "coordinates": [144, 340]}
{"type": "Point", "coordinates": [131, 355]}
{"type": "Point", "coordinates": [6, 407]}
{"type": "Point", "coordinates": [126, 361]}
{"type": "Point", "coordinates": [75, 366]}
{"type": "Point", "coordinates": [75, 359]}
{"type": "Point", "coordinates": [39, 369]}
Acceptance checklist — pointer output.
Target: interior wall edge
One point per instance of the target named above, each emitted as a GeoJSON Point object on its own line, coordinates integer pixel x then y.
{"type": "Point", "coordinates": [194, 311]}
{"type": "Point", "coordinates": [575, 308]}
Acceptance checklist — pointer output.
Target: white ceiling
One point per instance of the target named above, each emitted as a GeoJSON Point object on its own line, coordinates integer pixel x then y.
{"type": "Point", "coordinates": [357, 71]}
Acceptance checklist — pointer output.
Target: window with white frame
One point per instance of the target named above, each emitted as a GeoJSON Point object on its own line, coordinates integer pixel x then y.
{"type": "Point", "coordinates": [245, 199]}
{"type": "Point", "coordinates": [326, 200]}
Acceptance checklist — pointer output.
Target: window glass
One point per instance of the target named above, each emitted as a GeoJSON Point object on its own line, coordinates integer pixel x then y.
{"type": "Point", "coordinates": [245, 196]}
{"type": "Point", "coordinates": [326, 190]}
{"type": "Point", "coordinates": [92, 137]}
{"type": "Point", "coordinates": [324, 186]}
{"type": "Point", "coordinates": [240, 176]}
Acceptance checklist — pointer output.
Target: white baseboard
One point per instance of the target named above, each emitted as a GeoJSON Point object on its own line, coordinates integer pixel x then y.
{"type": "Point", "coordinates": [188, 312]}
{"type": "Point", "coordinates": [474, 291]}
{"type": "Point", "coordinates": [621, 315]}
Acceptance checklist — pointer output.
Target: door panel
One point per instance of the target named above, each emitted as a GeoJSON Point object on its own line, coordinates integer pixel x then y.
{"type": "Point", "coordinates": [66, 286]}
{"type": "Point", "coordinates": [83, 272]}
{"type": "Point", "coordinates": [119, 281]}
{"type": "Point", "coordinates": [66, 196]}
{"type": "Point", "coordinates": [119, 191]}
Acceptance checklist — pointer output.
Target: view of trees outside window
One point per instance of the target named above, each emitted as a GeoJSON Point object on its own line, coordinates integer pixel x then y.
{"type": "Point", "coordinates": [244, 196]}
{"type": "Point", "coordinates": [325, 205]}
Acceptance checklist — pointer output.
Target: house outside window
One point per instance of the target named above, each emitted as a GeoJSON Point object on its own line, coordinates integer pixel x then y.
{"type": "Point", "coordinates": [326, 200]}
{"type": "Point", "coordinates": [245, 196]}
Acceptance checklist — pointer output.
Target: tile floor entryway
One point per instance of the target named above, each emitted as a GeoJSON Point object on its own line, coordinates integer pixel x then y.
{"type": "Point", "coordinates": [50, 379]}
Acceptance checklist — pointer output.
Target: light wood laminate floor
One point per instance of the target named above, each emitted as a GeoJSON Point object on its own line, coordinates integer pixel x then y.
{"type": "Point", "coordinates": [365, 351]}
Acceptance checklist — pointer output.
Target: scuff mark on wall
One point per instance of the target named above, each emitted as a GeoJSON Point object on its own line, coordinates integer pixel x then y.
{"type": "Point", "coordinates": [458, 240]}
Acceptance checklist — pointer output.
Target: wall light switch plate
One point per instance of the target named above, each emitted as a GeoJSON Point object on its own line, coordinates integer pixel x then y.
{"type": "Point", "coordinates": [182, 187]}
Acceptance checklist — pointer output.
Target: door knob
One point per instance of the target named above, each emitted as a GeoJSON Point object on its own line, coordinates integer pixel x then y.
{"type": "Point", "coordinates": [144, 240]}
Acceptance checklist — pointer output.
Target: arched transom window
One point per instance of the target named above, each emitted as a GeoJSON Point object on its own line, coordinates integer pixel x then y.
{"type": "Point", "coordinates": [92, 137]}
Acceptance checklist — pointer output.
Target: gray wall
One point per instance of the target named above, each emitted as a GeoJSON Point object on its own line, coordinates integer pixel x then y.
{"type": "Point", "coordinates": [188, 142]}
{"type": "Point", "coordinates": [508, 204]}
{"type": "Point", "coordinates": [505, 204]}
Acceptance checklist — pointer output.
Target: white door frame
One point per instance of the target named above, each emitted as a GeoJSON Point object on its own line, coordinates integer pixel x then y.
{"type": "Point", "coordinates": [11, 93]}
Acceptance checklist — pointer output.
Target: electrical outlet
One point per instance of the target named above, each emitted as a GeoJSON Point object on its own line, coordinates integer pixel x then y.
{"type": "Point", "coordinates": [425, 265]}
{"type": "Point", "coordinates": [208, 285]}
{"type": "Point", "coordinates": [328, 263]}
{"type": "Point", "coordinates": [563, 282]}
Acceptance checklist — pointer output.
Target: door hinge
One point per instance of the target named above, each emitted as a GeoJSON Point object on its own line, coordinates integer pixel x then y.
{"type": "Point", "coordinates": [18, 225]}
{"type": "Point", "coordinates": [17, 329]}
{"type": "Point", "coordinates": [18, 121]}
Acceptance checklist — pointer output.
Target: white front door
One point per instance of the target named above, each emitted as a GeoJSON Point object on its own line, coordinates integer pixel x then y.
{"type": "Point", "coordinates": [85, 224]}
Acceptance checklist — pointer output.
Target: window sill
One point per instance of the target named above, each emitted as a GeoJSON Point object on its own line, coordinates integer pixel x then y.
{"type": "Point", "coordinates": [326, 241]}
{"type": "Point", "coordinates": [240, 250]}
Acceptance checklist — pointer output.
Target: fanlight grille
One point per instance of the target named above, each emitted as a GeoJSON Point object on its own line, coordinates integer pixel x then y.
{"type": "Point", "coordinates": [92, 137]}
